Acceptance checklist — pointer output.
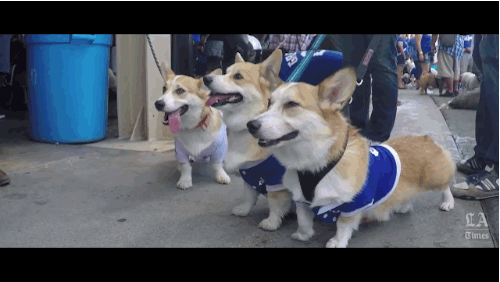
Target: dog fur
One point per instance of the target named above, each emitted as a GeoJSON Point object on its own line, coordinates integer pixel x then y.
{"type": "Point", "coordinates": [469, 81]}
{"type": "Point", "coordinates": [191, 136]}
{"type": "Point", "coordinates": [430, 79]}
{"type": "Point", "coordinates": [315, 112]}
{"type": "Point", "coordinates": [468, 100]}
{"type": "Point", "coordinates": [254, 82]}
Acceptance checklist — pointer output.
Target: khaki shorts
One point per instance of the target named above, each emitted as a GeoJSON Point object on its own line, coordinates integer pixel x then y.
{"type": "Point", "coordinates": [448, 66]}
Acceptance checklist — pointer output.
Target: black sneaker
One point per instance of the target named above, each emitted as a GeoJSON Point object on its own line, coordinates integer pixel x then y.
{"type": "Point", "coordinates": [447, 94]}
{"type": "Point", "coordinates": [471, 166]}
{"type": "Point", "coordinates": [481, 186]}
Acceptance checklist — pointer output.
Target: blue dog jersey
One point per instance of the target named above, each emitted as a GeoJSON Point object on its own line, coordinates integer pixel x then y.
{"type": "Point", "coordinates": [264, 175]}
{"type": "Point", "coordinates": [323, 64]}
{"type": "Point", "coordinates": [383, 176]}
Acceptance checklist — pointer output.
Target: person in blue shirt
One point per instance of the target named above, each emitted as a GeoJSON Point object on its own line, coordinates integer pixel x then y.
{"type": "Point", "coordinates": [402, 47]}
{"type": "Point", "coordinates": [423, 57]}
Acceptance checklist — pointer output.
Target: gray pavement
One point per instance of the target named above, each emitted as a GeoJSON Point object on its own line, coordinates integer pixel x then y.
{"type": "Point", "coordinates": [80, 196]}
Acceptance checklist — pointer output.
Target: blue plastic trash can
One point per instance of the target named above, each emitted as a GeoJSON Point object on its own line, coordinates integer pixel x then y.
{"type": "Point", "coordinates": [68, 86]}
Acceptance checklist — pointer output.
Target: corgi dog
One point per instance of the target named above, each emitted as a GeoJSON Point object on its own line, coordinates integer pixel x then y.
{"type": "Point", "coordinates": [328, 161]}
{"type": "Point", "coordinates": [242, 94]}
{"type": "Point", "coordinates": [430, 79]}
{"type": "Point", "coordinates": [200, 132]}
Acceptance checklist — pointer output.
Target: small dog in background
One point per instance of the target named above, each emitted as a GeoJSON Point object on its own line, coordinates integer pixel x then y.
{"type": "Point", "coordinates": [430, 79]}
{"type": "Point", "coordinates": [469, 81]}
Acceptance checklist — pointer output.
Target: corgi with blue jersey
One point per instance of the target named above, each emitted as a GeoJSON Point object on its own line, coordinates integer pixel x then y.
{"type": "Point", "coordinates": [242, 94]}
{"type": "Point", "coordinates": [332, 172]}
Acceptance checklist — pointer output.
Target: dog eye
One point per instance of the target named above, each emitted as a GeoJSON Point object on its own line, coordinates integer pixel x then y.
{"type": "Point", "coordinates": [179, 91]}
{"type": "Point", "coordinates": [164, 89]}
{"type": "Point", "coordinates": [238, 76]}
{"type": "Point", "coordinates": [268, 103]}
{"type": "Point", "coordinates": [290, 104]}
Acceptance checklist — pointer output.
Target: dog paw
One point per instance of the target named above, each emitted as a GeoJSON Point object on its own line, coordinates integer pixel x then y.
{"type": "Point", "coordinates": [447, 206]}
{"type": "Point", "coordinates": [242, 210]}
{"type": "Point", "coordinates": [184, 184]}
{"type": "Point", "coordinates": [334, 243]}
{"type": "Point", "coordinates": [301, 236]}
{"type": "Point", "coordinates": [268, 224]}
{"type": "Point", "coordinates": [222, 178]}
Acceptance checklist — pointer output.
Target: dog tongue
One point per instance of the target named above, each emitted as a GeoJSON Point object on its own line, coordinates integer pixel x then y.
{"type": "Point", "coordinates": [213, 99]}
{"type": "Point", "coordinates": [174, 120]}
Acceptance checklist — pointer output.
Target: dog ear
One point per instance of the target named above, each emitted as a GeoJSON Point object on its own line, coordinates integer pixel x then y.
{"type": "Point", "coordinates": [270, 68]}
{"type": "Point", "coordinates": [166, 71]}
{"type": "Point", "coordinates": [337, 88]}
{"type": "Point", "coordinates": [238, 59]}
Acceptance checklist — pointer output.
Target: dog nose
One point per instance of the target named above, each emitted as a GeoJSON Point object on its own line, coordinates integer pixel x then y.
{"type": "Point", "coordinates": [159, 105]}
{"type": "Point", "coordinates": [253, 126]}
{"type": "Point", "coordinates": [207, 80]}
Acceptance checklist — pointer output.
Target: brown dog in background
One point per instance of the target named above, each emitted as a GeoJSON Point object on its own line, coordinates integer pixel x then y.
{"type": "Point", "coordinates": [430, 79]}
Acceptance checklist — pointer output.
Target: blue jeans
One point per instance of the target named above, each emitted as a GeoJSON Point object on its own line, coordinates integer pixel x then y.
{"type": "Point", "coordinates": [485, 57]}
{"type": "Point", "coordinates": [383, 88]}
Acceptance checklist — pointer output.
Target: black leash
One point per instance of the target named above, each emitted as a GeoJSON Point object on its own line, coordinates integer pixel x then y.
{"type": "Point", "coordinates": [363, 65]}
{"type": "Point", "coordinates": [154, 56]}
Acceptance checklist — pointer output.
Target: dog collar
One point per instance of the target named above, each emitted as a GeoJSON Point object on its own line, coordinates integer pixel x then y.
{"type": "Point", "coordinates": [308, 180]}
{"type": "Point", "coordinates": [204, 123]}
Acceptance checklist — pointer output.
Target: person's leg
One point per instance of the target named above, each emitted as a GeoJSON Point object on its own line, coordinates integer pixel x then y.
{"type": "Point", "coordinates": [484, 184]}
{"type": "Point", "coordinates": [400, 67]}
{"type": "Point", "coordinates": [401, 85]}
{"type": "Point", "coordinates": [4, 70]}
{"type": "Point", "coordinates": [445, 71]}
{"type": "Point", "coordinates": [487, 124]}
{"type": "Point", "coordinates": [418, 71]}
{"type": "Point", "coordinates": [384, 90]}
{"type": "Point", "coordinates": [456, 75]}
{"type": "Point", "coordinates": [354, 47]}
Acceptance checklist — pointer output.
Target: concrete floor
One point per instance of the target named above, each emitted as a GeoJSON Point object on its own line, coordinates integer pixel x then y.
{"type": "Point", "coordinates": [82, 196]}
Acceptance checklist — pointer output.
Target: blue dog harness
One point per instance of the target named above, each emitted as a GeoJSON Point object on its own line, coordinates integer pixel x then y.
{"type": "Point", "coordinates": [383, 177]}
{"type": "Point", "coordinates": [264, 176]}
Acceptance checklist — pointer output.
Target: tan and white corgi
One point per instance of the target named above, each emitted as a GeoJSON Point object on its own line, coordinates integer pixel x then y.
{"type": "Point", "coordinates": [201, 133]}
{"type": "Point", "coordinates": [242, 94]}
{"type": "Point", "coordinates": [306, 132]}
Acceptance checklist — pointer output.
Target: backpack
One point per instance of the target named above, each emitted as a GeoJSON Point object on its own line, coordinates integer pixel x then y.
{"type": "Point", "coordinates": [447, 40]}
